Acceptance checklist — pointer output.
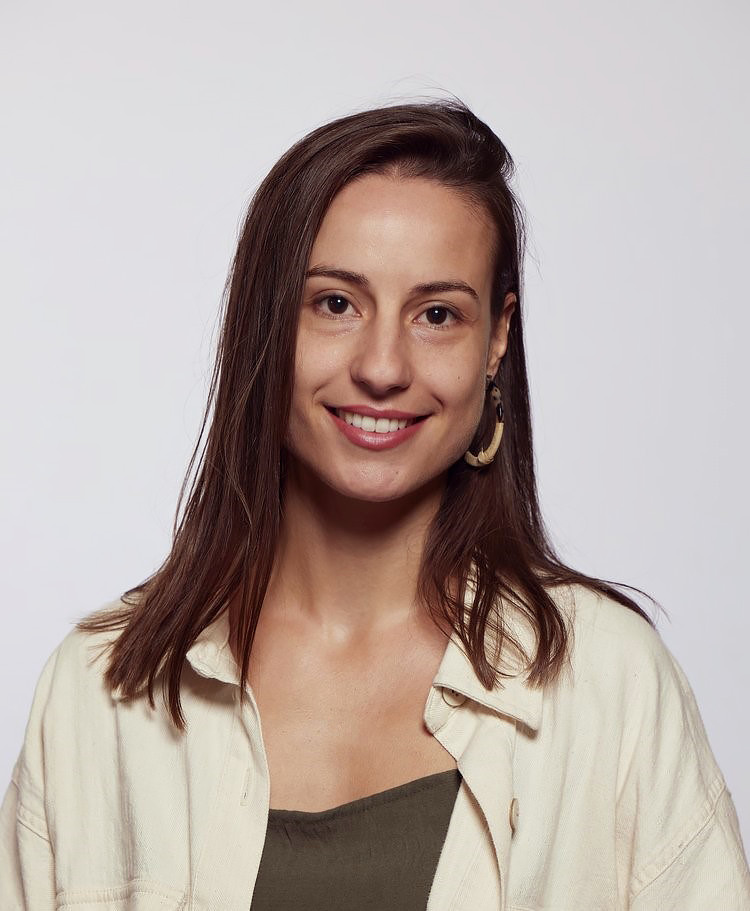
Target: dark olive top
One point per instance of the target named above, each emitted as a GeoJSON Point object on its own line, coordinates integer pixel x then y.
{"type": "Point", "coordinates": [378, 853]}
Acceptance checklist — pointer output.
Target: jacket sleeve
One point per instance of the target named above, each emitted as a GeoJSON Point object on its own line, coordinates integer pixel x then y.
{"type": "Point", "coordinates": [27, 876]}
{"type": "Point", "coordinates": [687, 848]}
{"type": "Point", "coordinates": [709, 871]}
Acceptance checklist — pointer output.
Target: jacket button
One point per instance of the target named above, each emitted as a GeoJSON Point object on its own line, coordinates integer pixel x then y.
{"type": "Point", "coordinates": [452, 697]}
{"type": "Point", "coordinates": [514, 813]}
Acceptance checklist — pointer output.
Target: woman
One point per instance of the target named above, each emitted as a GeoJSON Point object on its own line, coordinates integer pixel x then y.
{"type": "Point", "coordinates": [382, 688]}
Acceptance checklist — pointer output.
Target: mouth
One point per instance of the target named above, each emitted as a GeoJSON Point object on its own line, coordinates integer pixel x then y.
{"type": "Point", "coordinates": [374, 425]}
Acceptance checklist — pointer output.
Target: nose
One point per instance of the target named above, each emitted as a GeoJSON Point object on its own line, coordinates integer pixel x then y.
{"type": "Point", "coordinates": [381, 362]}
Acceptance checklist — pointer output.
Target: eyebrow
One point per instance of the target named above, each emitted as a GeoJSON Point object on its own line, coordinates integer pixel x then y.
{"type": "Point", "coordinates": [356, 278]}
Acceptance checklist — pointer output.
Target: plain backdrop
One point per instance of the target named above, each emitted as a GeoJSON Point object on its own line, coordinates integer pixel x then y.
{"type": "Point", "coordinates": [133, 137]}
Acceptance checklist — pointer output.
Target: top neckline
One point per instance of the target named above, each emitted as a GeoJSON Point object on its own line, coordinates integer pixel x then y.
{"type": "Point", "coordinates": [380, 798]}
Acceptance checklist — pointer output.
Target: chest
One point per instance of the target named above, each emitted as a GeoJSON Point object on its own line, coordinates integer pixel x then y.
{"type": "Point", "coordinates": [343, 724]}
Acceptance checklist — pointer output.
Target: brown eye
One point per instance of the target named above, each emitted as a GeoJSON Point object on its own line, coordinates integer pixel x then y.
{"type": "Point", "coordinates": [332, 305]}
{"type": "Point", "coordinates": [440, 317]}
{"type": "Point", "coordinates": [339, 304]}
{"type": "Point", "coordinates": [436, 315]}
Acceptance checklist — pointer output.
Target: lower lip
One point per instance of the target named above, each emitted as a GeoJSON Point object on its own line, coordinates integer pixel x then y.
{"type": "Point", "coordinates": [369, 439]}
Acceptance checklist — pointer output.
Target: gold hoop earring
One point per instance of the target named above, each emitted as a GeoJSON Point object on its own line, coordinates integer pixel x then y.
{"type": "Point", "coordinates": [486, 456]}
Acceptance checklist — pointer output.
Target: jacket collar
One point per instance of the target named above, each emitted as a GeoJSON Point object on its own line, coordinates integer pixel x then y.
{"type": "Point", "coordinates": [211, 656]}
{"type": "Point", "coordinates": [511, 696]}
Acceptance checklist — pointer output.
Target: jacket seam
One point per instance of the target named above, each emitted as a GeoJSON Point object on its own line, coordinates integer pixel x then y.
{"type": "Point", "coordinates": [25, 817]}
{"type": "Point", "coordinates": [32, 823]}
{"type": "Point", "coordinates": [678, 847]}
{"type": "Point", "coordinates": [24, 782]}
{"type": "Point", "coordinates": [133, 887]}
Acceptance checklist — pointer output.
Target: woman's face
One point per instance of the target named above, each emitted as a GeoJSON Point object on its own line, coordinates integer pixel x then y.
{"type": "Point", "coordinates": [376, 342]}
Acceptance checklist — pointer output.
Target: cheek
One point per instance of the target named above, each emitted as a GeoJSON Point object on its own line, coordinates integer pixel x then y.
{"type": "Point", "coordinates": [469, 406]}
{"type": "Point", "coordinates": [470, 398]}
{"type": "Point", "coordinates": [316, 366]}
{"type": "Point", "coordinates": [460, 388]}
{"type": "Point", "coordinates": [317, 362]}
{"type": "Point", "coordinates": [310, 373]}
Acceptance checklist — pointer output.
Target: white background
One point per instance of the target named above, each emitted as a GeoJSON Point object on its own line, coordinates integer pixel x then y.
{"type": "Point", "coordinates": [134, 134]}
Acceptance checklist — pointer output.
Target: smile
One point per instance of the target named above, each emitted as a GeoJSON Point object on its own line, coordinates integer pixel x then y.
{"type": "Point", "coordinates": [376, 425]}
{"type": "Point", "coordinates": [373, 433]}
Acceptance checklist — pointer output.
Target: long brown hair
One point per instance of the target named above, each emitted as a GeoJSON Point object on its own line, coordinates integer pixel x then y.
{"type": "Point", "coordinates": [488, 531]}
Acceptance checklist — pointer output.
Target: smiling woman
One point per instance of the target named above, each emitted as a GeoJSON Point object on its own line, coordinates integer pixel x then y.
{"type": "Point", "coordinates": [382, 687]}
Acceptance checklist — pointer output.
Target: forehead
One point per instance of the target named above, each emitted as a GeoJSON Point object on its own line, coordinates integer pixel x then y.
{"type": "Point", "coordinates": [406, 230]}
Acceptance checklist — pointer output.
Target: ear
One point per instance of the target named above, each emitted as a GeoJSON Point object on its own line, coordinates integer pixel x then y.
{"type": "Point", "coordinates": [499, 337]}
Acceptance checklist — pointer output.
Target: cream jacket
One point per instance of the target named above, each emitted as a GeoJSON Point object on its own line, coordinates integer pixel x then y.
{"type": "Point", "coordinates": [598, 793]}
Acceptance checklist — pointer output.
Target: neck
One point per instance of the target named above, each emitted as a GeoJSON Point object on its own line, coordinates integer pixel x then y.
{"type": "Point", "coordinates": [350, 567]}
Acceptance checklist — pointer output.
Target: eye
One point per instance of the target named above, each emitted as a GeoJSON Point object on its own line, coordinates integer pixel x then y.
{"type": "Point", "coordinates": [331, 305]}
{"type": "Point", "coordinates": [440, 317]}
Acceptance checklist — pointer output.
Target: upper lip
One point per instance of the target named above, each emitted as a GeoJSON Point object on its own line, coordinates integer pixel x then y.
{"type": "Point", "coordinates": [375, 412]}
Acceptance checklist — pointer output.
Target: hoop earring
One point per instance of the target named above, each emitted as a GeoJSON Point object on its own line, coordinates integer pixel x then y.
{"type": "Point", "coordinates": [486, 456]}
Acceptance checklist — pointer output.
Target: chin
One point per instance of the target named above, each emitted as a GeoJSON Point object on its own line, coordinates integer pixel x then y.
{"type": "Point", "coordinates": [383, 487]}
{"type": "Point", "coordinates": [368, 483]}
{"type": "Point", "coordinates": [370, 491]}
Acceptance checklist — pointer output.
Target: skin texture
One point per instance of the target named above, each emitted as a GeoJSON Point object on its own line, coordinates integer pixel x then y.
{"type": "Point", "coordinates": [343, 659]}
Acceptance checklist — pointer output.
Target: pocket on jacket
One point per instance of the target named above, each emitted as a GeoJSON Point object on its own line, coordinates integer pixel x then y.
{"type": "Point", "coordinates": [137, 895]}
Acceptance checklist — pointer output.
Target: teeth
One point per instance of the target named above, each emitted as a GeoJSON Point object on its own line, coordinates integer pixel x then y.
{"type": "Point", "coordinates": [378, 425]}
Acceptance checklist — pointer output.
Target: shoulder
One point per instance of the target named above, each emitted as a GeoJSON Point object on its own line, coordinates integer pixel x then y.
{"type": "Point", "coordinates": [620, 667]}
{"type": "Point", "coordinates": [621, 671]}
{"type": "Point", "coordinates": [609, 641]}
{"type": "Point", "coordinates": [82, 655]}
{"type": "Point", "coordinates": [72, 678]}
